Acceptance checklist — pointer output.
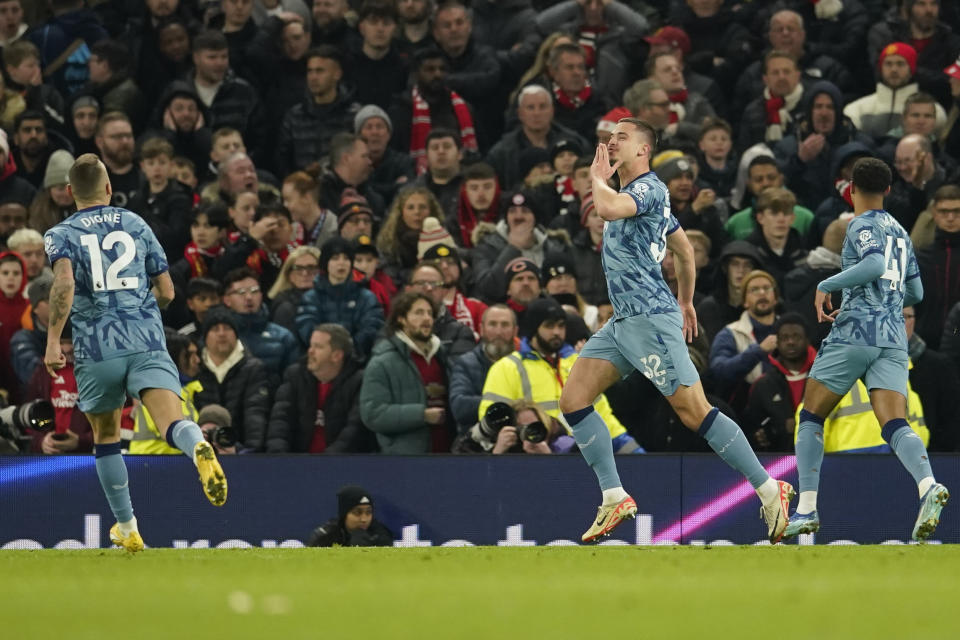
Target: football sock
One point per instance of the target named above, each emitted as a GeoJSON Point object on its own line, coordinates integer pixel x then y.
{"type": "Point", "coordinates": [909, 448]}
{"type": "Point", "coordinates": [112, 472]}
{"type": "Point", "coordinates": [593, 438]}
{"type": "Point", "coordinates": [809, 450]}
{"type": "Point", "coordinates": [725, 437]}
{"type": "Point", "coordinates": [184, 435]}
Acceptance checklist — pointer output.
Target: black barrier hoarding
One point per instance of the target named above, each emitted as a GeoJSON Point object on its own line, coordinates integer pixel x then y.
{"type": "Point", "coordinates": [50, 502]}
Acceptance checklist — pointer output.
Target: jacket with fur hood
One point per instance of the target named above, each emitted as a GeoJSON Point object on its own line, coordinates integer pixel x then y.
{"type": "Point", "coordinates": [492, 253]}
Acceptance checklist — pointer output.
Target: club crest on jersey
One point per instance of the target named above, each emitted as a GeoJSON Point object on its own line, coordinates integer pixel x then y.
{"type": "Point", "coordinates": [866, 239]}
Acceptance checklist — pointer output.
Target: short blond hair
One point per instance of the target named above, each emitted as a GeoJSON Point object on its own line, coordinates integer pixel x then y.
{"type": "Point", "coordinates": [88, 178]}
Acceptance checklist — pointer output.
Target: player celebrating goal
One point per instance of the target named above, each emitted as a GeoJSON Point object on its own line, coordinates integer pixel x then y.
{"type": "Point", "coordinates": [648, 330]}
{"type": "Point", "coordinates": [104, 261]}
{"type": "Point", "coordinates": [868, 340]}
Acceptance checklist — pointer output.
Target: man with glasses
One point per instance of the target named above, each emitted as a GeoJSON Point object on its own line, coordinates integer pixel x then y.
{"type": "Point", "coordinates": [738, 355]}
{"type": "Point", "coordinates": [267, 341]}
{"type": "Point", "coordinates": [457, 338]}
{"type": "Point", "coordinates": [939, 267]}
{"type": "Point", "coordinates": [336, 297]}
{"type": "Point", "coordinates": [114, 139]}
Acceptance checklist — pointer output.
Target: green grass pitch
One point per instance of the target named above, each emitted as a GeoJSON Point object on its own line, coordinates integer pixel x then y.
{"type": "Point", "coordinates": [901, 592]}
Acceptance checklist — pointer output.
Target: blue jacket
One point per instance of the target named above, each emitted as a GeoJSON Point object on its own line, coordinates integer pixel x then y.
{"type": "Point", "coordinates": [267, 341]}
{"type": "Point", "coordinates": [350, 305]}
{"type": "Point", "coordinates": [467, 375]}
{"type": "Point", "coordinates": [26, 351]}
{"type": "Point", "coordinates": [736, 356]}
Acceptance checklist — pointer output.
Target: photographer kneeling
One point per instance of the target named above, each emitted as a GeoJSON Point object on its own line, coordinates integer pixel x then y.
{"type": "Point", "coordinates": [520, 428]}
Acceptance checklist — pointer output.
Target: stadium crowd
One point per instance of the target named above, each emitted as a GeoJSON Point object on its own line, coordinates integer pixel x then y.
{"type": "Point", "coordinates": [377, 215]}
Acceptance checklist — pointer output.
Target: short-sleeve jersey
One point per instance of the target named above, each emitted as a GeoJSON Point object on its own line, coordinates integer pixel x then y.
{"type": "Point", "coordinates": [871, 314]}
{"type": "Point", "coordinates": [114, 256]}
{"type": "Point", "coordinates": [633, 249]}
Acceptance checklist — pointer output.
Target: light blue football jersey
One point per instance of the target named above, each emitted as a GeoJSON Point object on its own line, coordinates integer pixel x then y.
{"type": "Point", "coordinates": [114, 254]}
{"type": "Point", "coordinates": [633, 249]}
{"type": "Point", "coordinates": [871, 314]}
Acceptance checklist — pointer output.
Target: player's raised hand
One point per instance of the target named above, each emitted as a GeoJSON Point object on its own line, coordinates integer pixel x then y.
{"type": "Point", "coordinates": [54, 359]}
{"type": "Point", "coordinates": [823, 300]}
{"type": "Point", "coordinates": [690, 330]}
{"type": "Point", "coordinates": [601, 168]}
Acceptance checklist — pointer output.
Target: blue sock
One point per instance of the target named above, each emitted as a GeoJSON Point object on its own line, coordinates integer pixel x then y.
{"type": "Point", "coordinates": [184, 435]}
{"type": "Point", "coordinates": [593, 438]}
{"type": "Point", "coordinates": [113, 478]}
{"type": "Point", "coordinates": [909, 448]}
{"type": "Point", "coordinates": [809, 450]}
{"type": "Point", "coordinates": [725, 437]}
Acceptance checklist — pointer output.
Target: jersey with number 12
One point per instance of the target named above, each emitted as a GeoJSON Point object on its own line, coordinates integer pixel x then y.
{"type": "Point", "coordinates": [114, 254]}
{"type": "Point", "coordinates": [633, 249]}
{"type": "Point", "coordinates": [871, 314]}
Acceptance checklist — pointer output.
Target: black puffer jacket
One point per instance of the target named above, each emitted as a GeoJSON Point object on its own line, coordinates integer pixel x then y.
{"type": "Point", "coordinates": [168, 214]}
{"type": "Point", "coordinates": [237, 105]}
{"type": "Point", "coordinates": [245, 393]}
{"type": "Point", "coordinates": [492, 253]}
{"type": "Point", "coordinates": [332, 533]}
{"type": "Point", "coordinates": [294, 413]}
{"type": "Point", "coordinates": [940, 274]}
{"type": "Point", "coordinates": [307, 127]}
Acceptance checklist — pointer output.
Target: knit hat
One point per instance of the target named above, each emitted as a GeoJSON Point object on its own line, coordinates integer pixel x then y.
{"type": "Point", "coordinates": [557, 264]}
{"type": "Point", "coordinates": [352, 203]}
{"type": "Point", "coordinates": [674, 169]}
{"type": "Point", "coordinates": [521, 198]}
{"type": "Point", "coordinates": [529, 158]}
{"type": "Point", "coordinates": [364, 244]}
{"type": "Point", "coordinates": [349, 497]}
{"type": "Point", "coordinates": [565, 145]}
{"type": "Point", "coordinates": [953, 70]}
{"type": "Point", "coordinates": [518, 266]}
{"type": "Point", "coordinates": [216, 414]}
{"type": "Point", "coordinates": [612, 117]}
{"type": "Point", "coordinates": [432, 233]}
{"type": "Point", "coordinates": [586, 208]}
{"type": "Point", "coordinates": [673, 37]}
{"type": "Point", "coordinates": [901, 49]}
{"type": "Point", "coordinates": [84, 101]}
{"type": "Point", "coordinates": [219, 315]}
{"type": "Point", "coordinates": [577, 329]}
{"type": "Point", "coordinates": [39, 290]}
{"type": "Point", "coordinates": [740, 248]}
{"type": "Point", "coordinates": [664, 156]}
{"type": "Point", "coordinates": [438, 251]}
{"type": "Point", "coordinates": [753, 275]}
{"type": "Point", "coordinates": [538, 312]}
{"type": "Point", "coordinates": [333, 247]}
{"type": "Point", "coordinates": [57, 169]}
{"type": "Point", "coordinates": [367, 112]}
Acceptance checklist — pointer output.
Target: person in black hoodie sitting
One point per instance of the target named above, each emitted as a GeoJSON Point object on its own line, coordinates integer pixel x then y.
{"type": "Point", "coordinates": [778, 244]}
{"type": "Point", "coordinates": [316, 408]}
{"type": "Point", "coordinates": [181, 119]}
{"type": "Point", "coordinates": [354, 525]}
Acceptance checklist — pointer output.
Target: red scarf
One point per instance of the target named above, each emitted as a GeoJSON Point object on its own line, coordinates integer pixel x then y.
{"type": "Point", "coordinates": [261, 257]}
{"type": "Point", "coordinates": [588, 42]}
{"type": "Point", "coordinates": [680, 97]}
{"type": "Point", "coordinates": [421, 127]}
{"type": "Point", "coordinates": [843, 188]}
{"type": "Point", "coordinates": [575, 102]}
{"type": "Point", "coordinates": [195, 258]}
{"type": "Point", "coordinates": [467, 217]}
{"type": "Point", "coordinates": [774, 105]}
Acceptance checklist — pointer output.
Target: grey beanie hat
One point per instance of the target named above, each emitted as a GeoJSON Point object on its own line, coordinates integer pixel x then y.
{"type": "Point", "coordinates": [367, 112]}
{"type": "Point", "coordinates": [57, 169]}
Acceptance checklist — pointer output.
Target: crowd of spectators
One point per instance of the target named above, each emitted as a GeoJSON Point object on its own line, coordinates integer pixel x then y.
{"type": "Point", "coordinates": [378, 220]}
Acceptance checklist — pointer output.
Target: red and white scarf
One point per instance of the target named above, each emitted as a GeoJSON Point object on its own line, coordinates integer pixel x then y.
{"type": "Point", "coordinates": [421, 127]}
{"type": "Point", "coordinates": [576, 101]}
{"type": "Point", "coordinates": [677, 109]}
{"type": "Point", "coordinates": [778, 112]}
{"type": "Point", "coordinates": [195, 258]}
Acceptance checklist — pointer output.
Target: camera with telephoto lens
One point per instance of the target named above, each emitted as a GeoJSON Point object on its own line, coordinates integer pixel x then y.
{"type": "Point", "coordinates": [17, 420]}
{"type": "Point", "coordinates": [499, 415]}
{"type": "Point", "coordinates": [223, 436]}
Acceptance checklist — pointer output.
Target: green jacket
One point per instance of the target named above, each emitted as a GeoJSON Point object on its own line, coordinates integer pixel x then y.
{"type": "Point", "coordinates": [742, 223]}
{"type": "Point", "coordinates": [393, 398]}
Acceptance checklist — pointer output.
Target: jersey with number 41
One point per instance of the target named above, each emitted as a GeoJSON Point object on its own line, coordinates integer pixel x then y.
{"type": "Point", "coordinates": [633, 249]}
{"type": "Point", "coordinates": [114, 256]}
{"type": "Point", "coordinates": [871, 314]}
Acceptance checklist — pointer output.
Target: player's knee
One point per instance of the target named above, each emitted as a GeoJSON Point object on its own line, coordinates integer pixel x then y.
{"type": "Point", "coordinates": [570, 402]}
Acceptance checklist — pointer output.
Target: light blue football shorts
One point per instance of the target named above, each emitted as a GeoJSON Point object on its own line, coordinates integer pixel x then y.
{"type": "Point", "coordinates": [653, 345]}
{"type": "Point", "coordinates": [104, 385]}
{"type": "Point", "coordinates": [838, 366]}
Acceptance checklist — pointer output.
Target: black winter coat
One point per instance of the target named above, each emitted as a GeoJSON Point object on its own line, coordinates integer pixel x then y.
{"type": "Point", "coordinates": [935, 380]}
{"type": "Point", "coordinates": [940, 274]}
{"type": "Point", "coordinates": [294, 413]}
{"type": "Point", "coordinates": [245, 393]}
{"type": "Point", "coordinates": [307, 128]}
{"type": "Point", "coordinates": [332, 533]}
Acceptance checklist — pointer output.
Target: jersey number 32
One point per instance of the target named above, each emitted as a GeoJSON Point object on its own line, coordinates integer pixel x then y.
{"type": "Point", "coordinates": [114, 280]}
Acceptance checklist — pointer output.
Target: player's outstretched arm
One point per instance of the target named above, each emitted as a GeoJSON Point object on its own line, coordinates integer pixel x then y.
{"type": "Point", "coordinates": [163, 289]}
{"type": "Point", "coordinates": [61, 300]}
{"type": "Point", "coordinates": [610, 204]}
{"type": "Point", "coordinates": [683, 260]}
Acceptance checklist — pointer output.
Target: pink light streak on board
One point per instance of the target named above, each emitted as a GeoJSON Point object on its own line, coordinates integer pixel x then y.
{"type": "Point", "coordinates": [719, 506]}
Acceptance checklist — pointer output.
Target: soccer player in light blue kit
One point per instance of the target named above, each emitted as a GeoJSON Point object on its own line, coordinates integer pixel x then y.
{"type": "Point", "coordinates": [110, 280]}
{"type": "Point", "coordinates": [868, 340]}
{"type": "Point", "coordinates": [648, 330]}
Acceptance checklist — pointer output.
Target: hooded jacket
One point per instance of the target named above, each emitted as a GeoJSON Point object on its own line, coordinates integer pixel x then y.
{"type": "Point", "coordinates": [192, 144]}
{"type": "Point", "coordinates": [276, 347]}
{"type": "Point", "coordinates": [807, 179]}
{"type": "Point", "coordinates": [244, 392]}
{"type": "Point", "coordinates": [349, 304]}
{"type": "Point", "coordinates": [834, 203]}
{"type": "Point", "coordinates": [12, 309]}
{"type": "Point", "coordinates": [492, 252]}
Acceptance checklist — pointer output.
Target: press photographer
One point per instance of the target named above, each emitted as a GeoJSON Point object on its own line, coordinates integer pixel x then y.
{"type": "Point", "coordinates": [521, 428]}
